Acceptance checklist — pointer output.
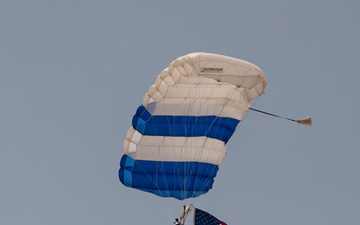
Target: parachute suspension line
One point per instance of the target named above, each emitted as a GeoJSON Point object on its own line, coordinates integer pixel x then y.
{"type": "Point", "coordinates": [145, 172]}
{"type": "Point", "coordinates": [182, 178]}
{"type": "Point", "coordinates": [208, 88]}
{"type": "Point", "coordinates": [176, 166]}
{"type": "Point", "coordinates": [213, 92]}
{"type": "Point", "coordinates": [160, 166]}
{"type": "Point", "coordinates": [203, 100]}
{"type": "Point", "coordinates": [306, 121]}
{"type": "Point", "coordinates": [184, 150]}
{"type": "Point", "coordinates": [154, 182]}
{"type": "Point", "coordinates": [242, 119]}
{"type": "Point", "coordinates": [169, 206]}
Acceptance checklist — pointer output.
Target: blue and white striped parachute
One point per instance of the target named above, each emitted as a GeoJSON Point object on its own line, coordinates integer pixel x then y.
{"type": "Point", "coordinates": [179, 134]}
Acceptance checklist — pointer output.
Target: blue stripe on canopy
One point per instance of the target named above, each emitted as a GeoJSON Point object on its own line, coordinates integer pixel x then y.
{"type": "Point", "coordinates": [180, 180]}
{"type": "Point", "coordinates": [221, 128]}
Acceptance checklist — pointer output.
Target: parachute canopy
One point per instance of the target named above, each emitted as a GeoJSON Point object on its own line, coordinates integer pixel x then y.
{"type": "Point", "coordinates": [178, 136]}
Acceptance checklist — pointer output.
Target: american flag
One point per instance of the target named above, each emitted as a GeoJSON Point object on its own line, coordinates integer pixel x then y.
{"type": "Point", "coordinates": [204, 218]}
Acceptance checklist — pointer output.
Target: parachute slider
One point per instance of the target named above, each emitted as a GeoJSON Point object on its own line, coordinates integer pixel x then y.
{"type": "Point", "coordinates": [306, 121]}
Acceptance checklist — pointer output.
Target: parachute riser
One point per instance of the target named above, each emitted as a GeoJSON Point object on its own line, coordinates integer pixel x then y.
{"type": "Point", "coordinates": [182, 217]}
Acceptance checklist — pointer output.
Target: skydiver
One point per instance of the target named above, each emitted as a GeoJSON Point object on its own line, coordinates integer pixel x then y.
{"type": "Point", "coordinates": [179, 221]}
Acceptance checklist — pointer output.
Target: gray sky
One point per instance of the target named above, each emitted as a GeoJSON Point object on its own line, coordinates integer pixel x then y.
{"type": "Point", "coordinates": [72, 74]}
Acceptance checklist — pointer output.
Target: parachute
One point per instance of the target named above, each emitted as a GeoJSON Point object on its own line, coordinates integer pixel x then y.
{"type": "Point", "coordinates": [179, 133]}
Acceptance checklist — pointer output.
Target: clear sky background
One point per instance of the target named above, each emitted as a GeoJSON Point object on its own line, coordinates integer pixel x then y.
{"type": "Point", "coordinates": [72, 74]}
